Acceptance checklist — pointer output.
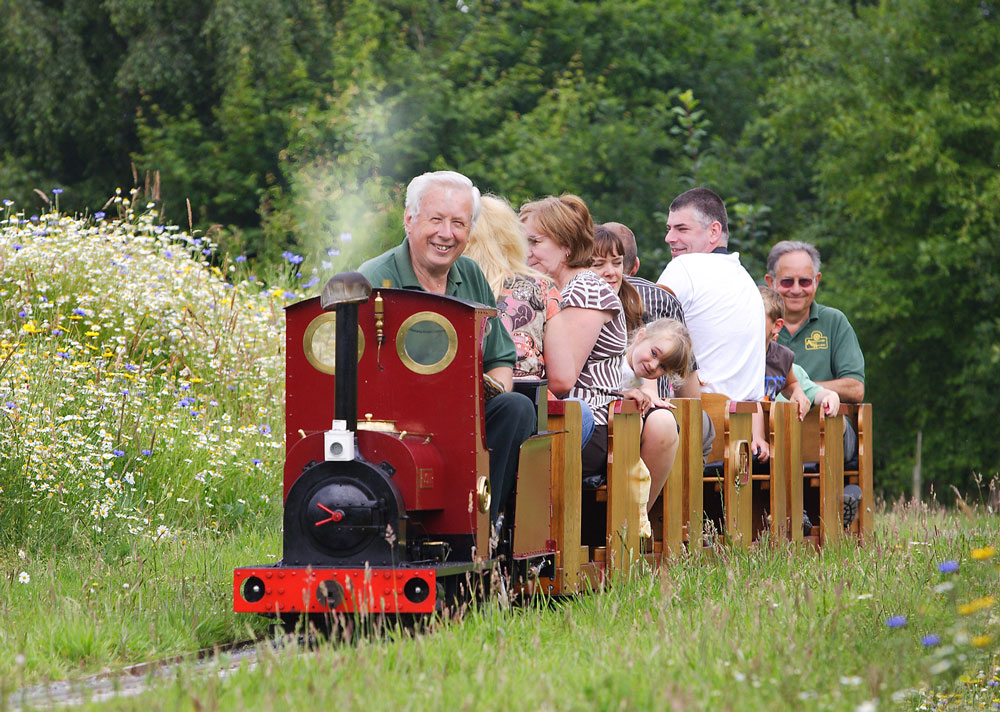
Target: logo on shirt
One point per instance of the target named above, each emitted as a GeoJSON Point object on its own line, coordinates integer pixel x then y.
{"type": "Point", "coordinates": [816, 341]}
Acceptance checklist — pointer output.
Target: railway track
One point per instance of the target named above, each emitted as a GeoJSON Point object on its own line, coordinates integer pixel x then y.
{"type": "Point", "coordinates": [132, 680]}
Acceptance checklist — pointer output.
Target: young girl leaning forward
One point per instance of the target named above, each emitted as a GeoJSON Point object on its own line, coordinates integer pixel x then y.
{"type": "Point", "coordinates": [661, 348]}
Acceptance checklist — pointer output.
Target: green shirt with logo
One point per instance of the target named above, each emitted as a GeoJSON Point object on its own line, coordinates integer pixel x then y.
{"type": "Point", "coordinates": [826, 345]}
{"type": "Point", "coordinates": [465, 281]}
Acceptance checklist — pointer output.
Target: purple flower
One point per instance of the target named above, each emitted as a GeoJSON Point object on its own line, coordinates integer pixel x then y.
{"type": "Point", "coordinates": [311, 283]}
{"type": "Point", "coordinates": [196, 241]}
{"type": "Point", "coordinates": [948, 567]}
{"type": "Point", "coordinates": [146, 452]}
{"type": "Point", "coordinates": [206, 252]}
{"type": "Point", "coordinates": [251, 278]}
{"type": "Point", "coordinates": [57, 191]}
{"type": "Point", "coordinates": [289, 295]}
{"type": "Point", "coordinates": [930, 640]}
{"type": "Point", "coordinates": [255, 461]}
{"type": "Point", "coordinates": [265, 429]}
{"type": "Point", "coordinates": [62, 354]}
{"type": "Point", "coordinates": [57, 332]}
{"type": "Point", "coordinates": [99, 215]}
{"type": "Point", "coordinates": [118, 453]}
{"type": "Point", "coordinates": [22, 314]}
{"type": "Point", "coordinates": [895, 621]}
{"type": "Point", "coordinates": [7, 202]}
{"type": "Point", "coordinates": [241, 258]}
{"type": "Point", "coordinates": [34, 218]}
{"type": "Point", "coordinates": [17, 247]}
{"type": "Point", "coordinates": [11, 405]}
{"type": "Point", "coordinates": [168, 254]}
{"type": "Point", "coordinates": [79, 312]}
{"type": "Point", "coordinates": [195, 413]}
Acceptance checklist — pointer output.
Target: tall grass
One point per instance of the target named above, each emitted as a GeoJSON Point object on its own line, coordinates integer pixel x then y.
{"type": "Point", "coordinates": [140, 381]}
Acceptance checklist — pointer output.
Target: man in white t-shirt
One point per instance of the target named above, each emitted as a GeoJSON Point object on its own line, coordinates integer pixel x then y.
{"type": "Point", "coordinates": [722, 305]}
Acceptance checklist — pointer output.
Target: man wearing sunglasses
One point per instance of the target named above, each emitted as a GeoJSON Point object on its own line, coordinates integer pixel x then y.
{"type": "Point", "coordinates": [822, 338]}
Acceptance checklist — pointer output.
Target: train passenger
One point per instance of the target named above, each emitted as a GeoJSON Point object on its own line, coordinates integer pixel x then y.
{"type": "Point", "coordinates": [528, 301]}
{"type": "Point", "coordinates": [821, 337]}
{"type": "Point", "coordinates": [779, 376]}
{"type": "Point", "coordinates": [561, 244]}
{"type": "Point", "coordinates": [722, 306]}
{"type": "Point", "coordinates": [658, 303]}
{"type": "Point", "coordinates": [814, 393]}
{"type": "Point", "coordinates": [652, 354]}
{"type": "Point", "coordinates": [441, 209]}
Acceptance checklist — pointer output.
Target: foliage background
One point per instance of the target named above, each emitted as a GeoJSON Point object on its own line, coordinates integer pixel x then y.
{"type": "Point", "coordinates": [869, 128]}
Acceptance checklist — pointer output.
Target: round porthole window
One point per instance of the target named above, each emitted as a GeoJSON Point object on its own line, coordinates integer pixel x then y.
{"type": "Point", "coordinates": [426, 343]}
{"type": "Point", "coordinates": [320, 342]}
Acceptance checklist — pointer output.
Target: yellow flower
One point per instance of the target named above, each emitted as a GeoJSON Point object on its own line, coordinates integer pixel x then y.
{"type": "Point", "coordinates": [981, 641]}
{"type": "Point", "coordinates": [976, 605]}
{"type": "Point", "coordinates": [984, 553]}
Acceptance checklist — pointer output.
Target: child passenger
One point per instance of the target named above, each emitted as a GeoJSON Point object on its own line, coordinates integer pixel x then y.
{"type": "Point", "coordinates": [661, 348]}
{"type": "Point", "coordinates": [782, 377]}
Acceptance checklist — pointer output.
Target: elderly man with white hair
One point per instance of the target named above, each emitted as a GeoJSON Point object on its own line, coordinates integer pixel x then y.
{"type": "Point", "coordinates": [441, 208]}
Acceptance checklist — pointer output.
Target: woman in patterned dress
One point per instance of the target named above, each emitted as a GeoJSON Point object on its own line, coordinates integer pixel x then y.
{"type": "Point", "coordinates": [592, 322]}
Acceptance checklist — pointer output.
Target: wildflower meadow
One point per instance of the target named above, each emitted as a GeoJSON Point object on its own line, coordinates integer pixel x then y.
{"type": "Point", "coordinates": [140, 380]}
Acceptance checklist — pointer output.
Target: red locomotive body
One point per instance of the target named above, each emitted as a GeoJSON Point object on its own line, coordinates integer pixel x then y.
{"type": "Point", "coordinates": [376, 515]}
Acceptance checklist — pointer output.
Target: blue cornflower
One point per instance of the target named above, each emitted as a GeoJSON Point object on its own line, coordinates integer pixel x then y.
{"type": "Point", "coordinates": [146, 452]}
{"type": "Point", "coordinates": [79, 312]}
{"type": "Point", "coordinates": [265, 429]}
{"type": "Point", "coordinates": [196, 241]}
{"type": "Point", "coordinates": [99, 215]}
{"type": "Point", "coordinates": [57, 332]}
{"type": "Point", "coordinates": [241, 258]}
{"type": "Point", "coordinates": [118, 453]}
{"type": "Point", "coordinates": [255, 461]}
{"type": "Point", "coordinates": [298, 275]}
{"type": "Point", "coordinates": [206, 252]}
{"type": "Point", "coordinates": [895, 621]}
{"type": "Point", "coordinates": [930, 640]}
{"type": "Point", "coordinates": [289, 295]}
{"type": "Point", "coordinates": [948, 567]}
{"type": "Point", "coordinates": [230, 388]}
{"type": "Point", "coordinates": [62, 354]}
{"type": "Point", "coordinates": [7, 202]}
{"type": "Point", "coordinates": [185, 386]}
{"type": "Point", "coordinates": [34, 218]}
{"type": "Point", "coordinates": [184, 402]}
{"type": "Point", "coordinates": [311, 283]}
{"type": "Point", "coordinates": [57, 191]}
{"type": "Point", "coordinates": [158, 229]}
{"type": "Point", "coordinates": [131, 367]}
{"type": "Point", "coordinates": [251, 278]}
{"type": "Point", "coordinates": [42, 298]}
{"type": "Point", "coordinates": [124, 391]}
{"type": "Point", "coordinates": [168, 254]}
{"type": "Point", "coordinates": [17, 247]}
{"type": "Point", "coordinates": [22, 314]}
{"type": "Point", "coordinates": [11, 405]}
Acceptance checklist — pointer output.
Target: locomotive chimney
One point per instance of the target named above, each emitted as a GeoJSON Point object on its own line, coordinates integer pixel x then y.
{"type": "Point", "coordinates": [343, 293]}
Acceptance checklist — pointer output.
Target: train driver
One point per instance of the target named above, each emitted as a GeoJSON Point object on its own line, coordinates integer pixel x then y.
{"type": "Point", "coordinates": [441, 208]}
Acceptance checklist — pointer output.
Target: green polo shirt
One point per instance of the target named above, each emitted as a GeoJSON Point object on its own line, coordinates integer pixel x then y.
{"type": "Point", "coordinates": [826, 345]}
{"type": "Point", "coordinates": [465, 281]}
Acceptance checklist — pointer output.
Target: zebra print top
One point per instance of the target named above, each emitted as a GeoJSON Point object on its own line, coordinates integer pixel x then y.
{"type": "Point", "coordinates": [600, 378]}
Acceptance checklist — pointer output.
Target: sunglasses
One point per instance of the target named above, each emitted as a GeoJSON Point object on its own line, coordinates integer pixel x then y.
{"type": "Point", "coordinates": [789, 282]}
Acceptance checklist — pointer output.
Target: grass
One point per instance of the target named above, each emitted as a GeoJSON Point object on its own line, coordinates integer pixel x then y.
{"type": "Point", "coordinates": [774, 628]}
